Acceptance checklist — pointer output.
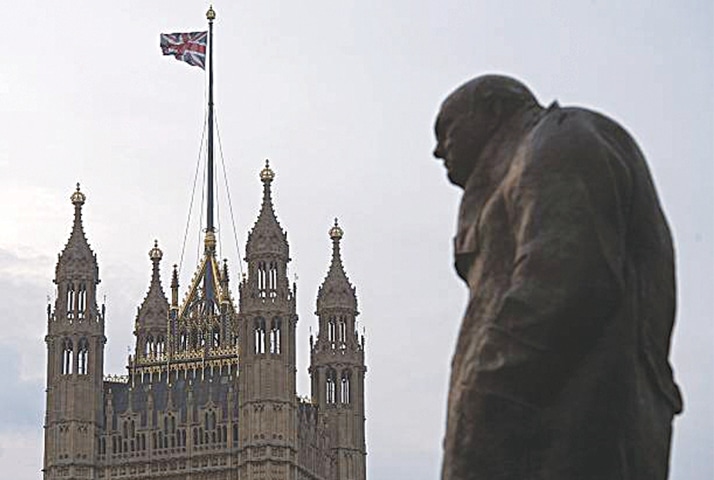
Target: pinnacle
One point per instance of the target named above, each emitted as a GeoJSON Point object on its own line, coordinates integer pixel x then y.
{"type": "Point", "coordinates": [336, 290]}
{"type": "Point", "coordinates": [77, 257]}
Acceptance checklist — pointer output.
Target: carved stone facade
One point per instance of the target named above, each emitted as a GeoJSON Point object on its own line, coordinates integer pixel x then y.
{"type": "Point", "coordinates": [210, 388]}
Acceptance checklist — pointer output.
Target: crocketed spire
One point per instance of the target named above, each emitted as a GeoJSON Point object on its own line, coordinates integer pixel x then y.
{"type": "Point", "coordinates": [336, 290]}
{"type": "Point", "coordinates": [154, 309]}
{"type": "Point", "coordinates": [267, 236]}
{"type": "Point", "coordinates": [77, 259]}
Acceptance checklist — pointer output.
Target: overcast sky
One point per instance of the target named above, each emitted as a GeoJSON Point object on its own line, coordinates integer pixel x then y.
{"type": "Point", "coordinates": [341, 96]}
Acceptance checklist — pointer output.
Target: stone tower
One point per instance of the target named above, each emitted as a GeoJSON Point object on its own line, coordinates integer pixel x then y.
{"type": "Point", "coordinates": [75, 361]}
{"type": "Point", "coordinates": [267, 398]}
{"type": "Point", "coordinates": [337, 368]}
{"type": "Point", "coordinates": [152, 315]}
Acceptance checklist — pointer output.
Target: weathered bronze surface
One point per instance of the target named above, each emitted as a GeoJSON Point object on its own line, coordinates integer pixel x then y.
{"type": "Point", "coordinates": [561, 367]}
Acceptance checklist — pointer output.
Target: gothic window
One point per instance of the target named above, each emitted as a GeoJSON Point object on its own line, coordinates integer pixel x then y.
{"type": "Point", "coordinates": [345, 387]}
{"type": "Point", "coordinates": [83, 357]}
{"type": "Point", "coordinates": [259, 335]}
{"type": "Point", "coordinates": [149, 346]}
{"type": "Point", "coordinates": [262, 278]}
{"type": "Point", "coordinates": [273, 279]}
{"type": "Point", "coordinates": [342, 330]}
{"type": "Point", "coordinates": [71, 300]}
{"type": "Point", "coordinates": [183, 341]}
{"type": "Point", "coordinates": [331, 331]}
{"type": "Point", "coordinates": [331, 393]}
{"type": "Point", "coordinates": [67, 356]}
{"type": "Point", "coordinates": [216, 338]}
{"type": "Point", "coordinates": [81, 300]}
{"type": "Point", "coordinates": [201, 338]}
{"type": "Point", "coordinates": [275, 336]}
{"type": "Point", "coordinates": [160, 345]}
{"type": "Point", "coordinates": [235, 434]}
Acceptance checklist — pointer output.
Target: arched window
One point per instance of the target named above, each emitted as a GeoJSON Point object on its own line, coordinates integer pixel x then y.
{"type": "Point", "coordinates": [216, 338]}
{"type": "Point", "coordinates": [331, 393]}
{"type": "Point", "coordinates": [160, 345]}
{"type": "Point", "coordinates": [183, 341]}
{"type": "Point", "coordinates": [259, 335]}
{"type": "Point", "coordinates": [342, 330]}
{"type": "Point", "coordinates": [275, 336]}
{"type": "Point", "coordinates": [149, 346]}
{"type": "Point", "coordinates": [345, 387]}
{"type": "Point", "coordinates": [81, 300]}
{"type": "Point", "coordinates": [67, 356]}
{"type": "Point", "coordinates": [83, 357]}
{"type": "Point", "coordinates": [331, 331]}
{"type": "Point", "coordinates": [262, 278]}
{"type": "Point", "coordinates": [273, 279]}
{"type": "Point", "coordinates": [71, 300]}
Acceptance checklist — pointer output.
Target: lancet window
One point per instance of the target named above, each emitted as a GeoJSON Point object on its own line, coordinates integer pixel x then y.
{"type": "Point", "coordinates": [67, 356]}
{"type": "Point", "coordinates": [160, 345]}
{"type": "Point", "coordinates": [273, 279]}
{"type": "Point", "coordinates": [275, 336]}
{"type": "Point", "coordinates": [262, 278]}
{"type": "Point", "coordinates": [149, 346]}
{"type": "Point", "coordinates": [331, 331]}
{"type": "Point", "coordinates": [71, 300]}
{"type": "Point", "coordinates": [83, 357]}
{"type": "Point", "coordinates": [216, 337]}
{"type": "Point", "coordinates": [183, 341]}
{"type": "Point", "coordinates": [81, 300]}
{"type": "Point", "coordinates": [331, 393]}
{"type": "Point", "coordinates": [342, 330]}
{"type": "Point", "coordinates": [345, 387]}
{"type": "Point", "coordinates": [260, 335]}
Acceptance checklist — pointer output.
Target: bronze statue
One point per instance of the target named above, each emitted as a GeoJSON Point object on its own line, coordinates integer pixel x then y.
{"type": "Point", "coordinates": [561, 366]}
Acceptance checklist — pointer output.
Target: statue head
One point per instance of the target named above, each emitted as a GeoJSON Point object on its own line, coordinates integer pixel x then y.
{"type": "Point", "coordinates": [471, 115]}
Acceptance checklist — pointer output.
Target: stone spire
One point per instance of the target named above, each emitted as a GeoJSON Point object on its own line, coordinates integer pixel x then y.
{"type": "Point", "coordinates": [152, 315]}
{"type": "Point", "coordinates": [154, 308]}
{"type": "Point", "coordinates": [267, 236]}
{"type": "Point", "coordinates": [336, 290]}
{"type": "Point", "coordinates": [77, 258]}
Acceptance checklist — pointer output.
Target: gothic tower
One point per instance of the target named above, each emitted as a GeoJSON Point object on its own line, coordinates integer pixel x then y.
{"type": "Point", "coordinates": [152, 315]}
{"type": "Point", "coordinates": [75, 360]}
{"type": "Point", "coordinates": [267, 396]}
{"type": "Point", "coordinates": [337, 368]}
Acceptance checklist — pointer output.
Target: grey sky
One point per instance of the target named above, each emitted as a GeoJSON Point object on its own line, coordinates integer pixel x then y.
{"type": "Point", "coordinates": [341, 96]}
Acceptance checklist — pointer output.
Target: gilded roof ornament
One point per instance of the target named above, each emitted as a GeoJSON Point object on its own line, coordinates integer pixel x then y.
{"type": "Point", "coordinates": [78, 197]}
{"type": "Point", "coordinates": [336, 232]}
{"type": "Point", "coordinates": [267, 174]}
{"type": "Point", "coordinates": [156, 253]}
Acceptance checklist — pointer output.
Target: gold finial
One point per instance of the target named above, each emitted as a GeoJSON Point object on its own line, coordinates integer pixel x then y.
{"type": "Point", "coordinates": [78, 197]}
{"type": "Point", "coordinates": [267, 175]}
{"type": "Point", "coordinates": [156, 253]}
{"type": "Point", "coordinates": [336, 232]}
{"type": "Point", "coordinates": [211, 14]}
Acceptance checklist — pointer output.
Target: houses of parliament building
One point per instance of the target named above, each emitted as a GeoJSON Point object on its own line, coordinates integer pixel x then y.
{"type": "Point", "coordinates": [210, 387]}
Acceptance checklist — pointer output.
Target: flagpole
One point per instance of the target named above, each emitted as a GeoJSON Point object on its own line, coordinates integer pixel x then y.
{"type": "Point", "coordinates": [210, 15]}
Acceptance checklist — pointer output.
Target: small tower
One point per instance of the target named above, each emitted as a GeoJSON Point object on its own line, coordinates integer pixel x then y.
{"type": "Point", "coordinates": [267, 397]}
{"type": "Point", "coordinates": [337, 367]}
{"type": "Point", "coordinates": [75, 360]}
{"type": "Point", "coordinates": [152, 315]}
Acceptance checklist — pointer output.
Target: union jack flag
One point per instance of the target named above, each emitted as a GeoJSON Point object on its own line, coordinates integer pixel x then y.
{"type": "Point", "coordinates": [188, 47]}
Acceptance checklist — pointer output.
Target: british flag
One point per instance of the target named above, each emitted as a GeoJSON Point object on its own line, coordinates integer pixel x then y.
{"type": "Point", "coordinates": [189, 47]}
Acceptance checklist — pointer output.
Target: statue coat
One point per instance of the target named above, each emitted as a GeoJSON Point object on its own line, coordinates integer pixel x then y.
{"type": "Point", "coordinates": [561, 367]}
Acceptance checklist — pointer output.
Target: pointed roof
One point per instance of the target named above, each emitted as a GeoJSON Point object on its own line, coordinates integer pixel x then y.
{"type": "Point", "coordinates": [267, 236]}
{"type": "Point", "coordinates": [336, 290]}
{"type": "Point", "coordinates": [77, 258]}
{"type": "Point", "coordinates": [154, 309]}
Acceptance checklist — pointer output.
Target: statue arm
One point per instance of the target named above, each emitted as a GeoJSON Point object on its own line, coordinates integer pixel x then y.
{"type": "Point", "coordinates": [567, 208]}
